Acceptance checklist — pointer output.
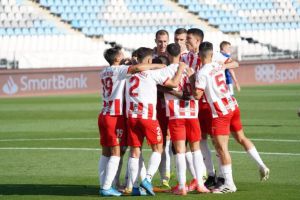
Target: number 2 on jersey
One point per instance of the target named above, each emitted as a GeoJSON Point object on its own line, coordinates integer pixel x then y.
{"type": "Point", "coordinates": [107, 86]}
{"type": "Point", "coordinates": [135, 81]}
{"type": "Point", "coordinates": [221, 83]}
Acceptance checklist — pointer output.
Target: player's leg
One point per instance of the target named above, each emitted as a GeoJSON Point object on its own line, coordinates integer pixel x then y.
{"type": "Point", "coordinates": [154, 136]}
{"type": "Point", "coordinates": [102, 165]}
{"type": "Point", "coordinates": [108, 126]}
{"type": "Point", "coordinates": [220, 132]}
{"type": "Point", "coordinates": [194, 136]}
{"type": "Point", "coordinates": [190, 166]}
{"type": "Point", "coordinates": [178, 137]}
{"type": "Point", "coordinates": [239, 135]}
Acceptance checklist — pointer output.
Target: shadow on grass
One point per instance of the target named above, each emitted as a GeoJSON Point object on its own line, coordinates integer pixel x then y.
{"type": "Point", "coordinates": [60, 190]}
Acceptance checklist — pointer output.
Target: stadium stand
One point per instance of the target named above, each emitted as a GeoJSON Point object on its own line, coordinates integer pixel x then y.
{"type": "Point", "coordinates": [59, 33]}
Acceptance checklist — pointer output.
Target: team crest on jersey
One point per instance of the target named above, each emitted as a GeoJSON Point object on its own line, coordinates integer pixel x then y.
{"type": "Point", "coordinates": [119, 135]}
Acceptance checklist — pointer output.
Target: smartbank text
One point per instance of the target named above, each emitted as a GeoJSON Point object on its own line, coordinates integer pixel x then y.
{"type": "Point", "coordinates": [56, 82]}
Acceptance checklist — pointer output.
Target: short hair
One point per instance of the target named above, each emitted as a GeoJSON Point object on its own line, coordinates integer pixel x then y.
{"type": "Point", "coordinates": [223, 44]}
{"type": "Point", "coordinates": [173, 49]}
{"type": "Point", "coordinates": [180, 31]}
{"type": "Point", "coordinates": [205, 47]}
{"type": "Point", "coordinates": [143, 52]}
{"type": "Point", "coordinates": [161, 60]}
{"type": "Point", "coordinates": [134, 53]}
{"type": "Point", "coordinates": [161, 32]}
{"type": "Point", "coordinates": [111, 54]}
{"type": "Point", "coordinates": [197, 32]}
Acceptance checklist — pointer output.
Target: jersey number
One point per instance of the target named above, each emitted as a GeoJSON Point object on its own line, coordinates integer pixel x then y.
{"type": "Point", "coordinates": [135, 81]}
{"type": "Point", "coordinates": [107, 86]}
{"type": "Point", "coordinates": [221, 83]}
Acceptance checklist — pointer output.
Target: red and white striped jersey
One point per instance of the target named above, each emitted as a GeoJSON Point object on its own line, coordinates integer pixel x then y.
{"type": "Point", "coordinates": [193, 60]}
{"type": "Point", "coordinates": [177, 108]}
{"type": "Point", "coordinates": [211, 79]}
{"type": "Point", "coordinates": [113, 85]}
{"type": "Point", "coordinates": [141, 93]}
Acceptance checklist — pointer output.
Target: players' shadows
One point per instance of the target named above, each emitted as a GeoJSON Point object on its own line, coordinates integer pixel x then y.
{"type": "Point", "coordinates": [59, 190]}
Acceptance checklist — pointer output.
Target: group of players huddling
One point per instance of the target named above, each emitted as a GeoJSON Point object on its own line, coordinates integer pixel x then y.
{"type": "Point", "coordinates": [175, 95]}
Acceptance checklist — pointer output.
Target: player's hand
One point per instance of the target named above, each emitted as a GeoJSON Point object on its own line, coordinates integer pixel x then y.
{"type": "Point", "coordinates": [189, 71]}
{"type": "Point", "coordinates": [182, 66]}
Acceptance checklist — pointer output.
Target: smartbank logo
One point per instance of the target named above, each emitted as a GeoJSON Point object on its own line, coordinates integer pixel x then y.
{"type": "Point", "coordinates": [56, 82]}
{"type": "Point", "coordinates": [269, 73]}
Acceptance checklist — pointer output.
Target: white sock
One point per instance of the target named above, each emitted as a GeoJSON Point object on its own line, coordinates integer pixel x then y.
{"type": "Point", "coordinates": [168, 157]}
{"type": "Point", "coordinates": [142, 168]}
{"type": "Point", "coordinates": [198, 165]}
{"type": "Point", "coordinates": [153, 165]}
{"type": "Point", "coordinates": [227, 173]}
{"type": "Point", "coordinates": [207, 158]}
{"type": "Point", "coordinates": [190, 164]}
{"type": "Point", "coordinates": [219, 172]}
{"type": "Point", "coordinates": [255, 156]}
{"type": "Point", "coordinates": [133, 167]}
{"type": "Point", "coordinates": [101, 169]}
{"type": "Point", "coordinates": [128, 178]}
{"type": "Point", "coordinates": [181, 169]}
{"type": "Point", "coordinates": [117, 177]}
{"type": "Point", "coordinates": [111, 171]}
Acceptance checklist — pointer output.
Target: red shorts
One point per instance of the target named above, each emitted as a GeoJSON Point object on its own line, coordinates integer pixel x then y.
{"type": "Point", "coordinates": [112, 130]}
{"type": "Point", "coordinates": [205, 119]}
{"type": "Point", "coordinates": [221, 125]}
{"type": "Point", "coordinates": [185, 129]}
{"type": "Point", "coordinates": [236, 124]}
{"type": "Point", "coordinates": [139, 128]}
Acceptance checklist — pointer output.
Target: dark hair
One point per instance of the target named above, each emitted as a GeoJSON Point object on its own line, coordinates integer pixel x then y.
{"type": "Point", "coordinates": [111, 53]}
{"type": "Point", "coordinates": [161, 60]}
{"type": "Point", "coordinates": [173, 49]}
{"type": "Point", "coordinates": [224, 43]}
{"type": "Point", "coordinates": [161, 32]}
{"type": "Point", "coordinates": [204, 48]}
{"type": "Point", "coordinates": [180, 31]}
{"type": "Point", "coordinates": [143, 52]}
{"type": "Point", "coordinates": [197, 32]}
{"type": "Point", "coordinates": [134, 53]}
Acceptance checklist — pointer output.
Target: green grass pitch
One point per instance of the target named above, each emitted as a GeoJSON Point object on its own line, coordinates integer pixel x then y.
{"type": "Point", "coordinates": [67, 171]}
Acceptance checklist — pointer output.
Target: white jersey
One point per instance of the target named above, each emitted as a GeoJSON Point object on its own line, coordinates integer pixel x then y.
{"type": "Point", "coordinates": [211, 79]}
{"type": "Point", "coordinates": [141, 93]}
{"type": "Point", "coordinates": [113, 84]}
{"type": "Point", "coordinates": [193, 60]}
{"type": "Point", "coordinates": [177, 108]}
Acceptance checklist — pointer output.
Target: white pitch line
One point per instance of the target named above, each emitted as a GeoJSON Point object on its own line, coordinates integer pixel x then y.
{"type": "Point", "coordinates": [55, 139]}
{"type": "Point", "coordinates": [148, 150]}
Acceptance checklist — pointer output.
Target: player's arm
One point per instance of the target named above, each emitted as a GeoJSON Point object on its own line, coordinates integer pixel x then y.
{"type": "Point", "coordinates": [200, 85]}
{"type": "Point", "coordinates": [174, 82]}
{"type": "Point", "coordinates": [231, 64]}
{"type": "Point", "coordinates": [179, 94]}
{"type": "Point", "coordinates": [237, 85]}
{"type": "Point", "coordinates": [144, 67]}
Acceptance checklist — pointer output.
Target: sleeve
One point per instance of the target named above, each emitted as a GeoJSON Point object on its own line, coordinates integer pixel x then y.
{"type": "Point", "coordinates": [160, 76]}
{"type": "Point", "coordinates": [123, 71]}
{"type": "Point", "coordinates": [201, 81]}
{"type": "Point", "coordinates": [219, 57]}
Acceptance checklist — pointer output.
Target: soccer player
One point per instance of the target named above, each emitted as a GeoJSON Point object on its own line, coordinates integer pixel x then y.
{"type": "Point", "coordinates": [161, 40]}
{"type": "Point", "coordinates": [184, 125]}
{"type": "Point", "coordinates": [111, 121]}
{"type": "Point", "coordinates": [210, 81]}
{"type": "Point", "coordinates": [180, 38]}
{"type": "Point", "coordinates": [225, 49]}
{"type": "Point", "coordinates": [141, 96]}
